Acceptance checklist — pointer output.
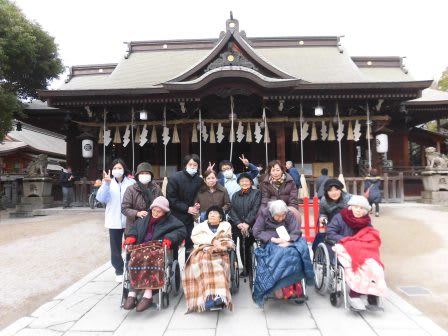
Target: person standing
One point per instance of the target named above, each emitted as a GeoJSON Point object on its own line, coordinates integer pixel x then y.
{"type": "Point", "coordinates": [320, 182]}
{"type": "Point", "coordinates": [111, 193]}
{"type": "Point", "coordinates": [291, 170]}
{"type": "Point", "coordinates": [181, 191]}
{"type": "Point", "coordinates": [66, 180]}
{"type": "Point", "coordinates": [372, 186]}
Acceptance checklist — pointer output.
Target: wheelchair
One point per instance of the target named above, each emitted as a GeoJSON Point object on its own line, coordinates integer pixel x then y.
{"type": "Point", "coordinates": [234, 275]}
{"type": "Point", "coordinates": [253, 274]}
{"type": "Point", "coordinates": [171, 283]}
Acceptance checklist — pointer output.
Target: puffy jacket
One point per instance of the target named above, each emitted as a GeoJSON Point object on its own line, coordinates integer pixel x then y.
{"type": "Point", "coordinates": [134, 202]}
{"type": "Point", "coordinates": [168, 228]}
{"type": "Point", "coordinates": [181, 192]}
{"type": "Point", "coordinates": [265, 226]}
{"type": "Point", "coordinates": [112, 194]}
{"type": "Point", "coordinates": [374, 193]}
{"type": "Point", "coordinates": [328, 209]}
{"type": "Point", "coordinates": [287, 192]}
{"type": "Point", "coordinates": [245, 207]}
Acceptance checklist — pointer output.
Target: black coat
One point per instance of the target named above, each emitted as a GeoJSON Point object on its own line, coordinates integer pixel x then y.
{"type": "Point", "coordinates": [64, 180]}
{"type": "Point", "coordinates": [245, 207]}
{"type": "Point", "coordinates": [168, 228]}
{"type": "Point", "coordinates": [181, 192]}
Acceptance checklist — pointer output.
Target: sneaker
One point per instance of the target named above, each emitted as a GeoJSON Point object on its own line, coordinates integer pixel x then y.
{"type": "Point", "coordinates": [219, 303]}
{"type": "Point", "coordinates": [356, 303]}
{"type": "Point", "coordinates": [209, 303]}
{"type": "Point", "coordinates": [377, 214]}
{"type": "Point", "coordinates": [119, 278]}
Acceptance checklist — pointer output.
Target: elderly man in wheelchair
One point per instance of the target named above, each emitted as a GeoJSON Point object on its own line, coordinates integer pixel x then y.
{"type": "Point", "coordinates": [350, 256]}
{"type": "Point", "coordinates": [211, 267]}
{"type": "Point", "coordinates": [282, 263]}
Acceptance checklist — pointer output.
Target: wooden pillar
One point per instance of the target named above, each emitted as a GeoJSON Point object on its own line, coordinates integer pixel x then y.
{"type": "Point", "coordinates": [280, 142]}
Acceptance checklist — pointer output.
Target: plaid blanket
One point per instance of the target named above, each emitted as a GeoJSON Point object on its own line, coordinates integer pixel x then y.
{"type": "Point", "coordinates": [207, 273]}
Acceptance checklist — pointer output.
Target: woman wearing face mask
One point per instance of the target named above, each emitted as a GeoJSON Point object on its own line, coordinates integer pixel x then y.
{"type": "Point", "coordinates": [212, 193]}
{"type": "Point", "coordinates": [181, 191]}
{"type": "Point", "coordinates": [138, 198]}
{"type": "Point", "coordinates": [111, 192]}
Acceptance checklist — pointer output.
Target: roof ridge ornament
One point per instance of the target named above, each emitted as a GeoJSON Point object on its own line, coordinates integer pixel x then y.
{"type": "Point", "coordinates": [232, 25]}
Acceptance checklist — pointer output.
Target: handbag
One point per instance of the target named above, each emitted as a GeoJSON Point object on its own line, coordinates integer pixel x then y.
{"type": "Point", "coordinates": [147, 265]}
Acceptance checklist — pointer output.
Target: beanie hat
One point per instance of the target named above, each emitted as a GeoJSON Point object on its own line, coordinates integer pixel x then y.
{"type": "Point", "coordinates": [244, 175]}
{"type": "Point", "coordinates": [144, 167]}
{"type": "Point", "coordinates": [215, 208]}
{"type": "Point", "coordinates": [162, 203]}
{"type": "Point", "coordinates": [359, 201]}
{"type": "Point", "coordinates": [333, 183]}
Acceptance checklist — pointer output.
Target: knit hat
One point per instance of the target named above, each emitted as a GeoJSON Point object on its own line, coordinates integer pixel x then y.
{"type": "Point", "coordinates": [161, 202]}
{"type": "Point", "coordinates": [333, 183]}
{"type": "Point", "coordinates": [359, 201]}
{"type": "Point", "coordinates": [244, 175]}
{"type": "Point", "coordinates": [144, 167]}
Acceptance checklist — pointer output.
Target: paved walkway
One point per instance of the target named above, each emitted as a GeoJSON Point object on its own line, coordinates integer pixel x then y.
{"type": "Point", "coordinates": [91, 308]}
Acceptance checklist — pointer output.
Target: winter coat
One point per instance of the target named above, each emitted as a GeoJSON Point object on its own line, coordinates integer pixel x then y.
{"type": "Point", "coordinates": [245, 207]}
{"type": "Point", "coordinates": [181, 192]}
{"type": "Point", "coordinates": [112, 195]}
{"type": "Point", "coordinates": [374, 182]}
{"type": "Point", "coordinates": [219, 197]}
{"type": "Point", "coordinates": [168, 228]}
{"type": "Point", "coordinates": [231, 184]}
{"type": "Point", "coordinates": [337, 229]}
{"type": "Point", "coordinates": [320, 182]}
{"type": "Point", "coordinates": [287, 192]}
{"type": "Point", "coordinates": [134, 202]}
{"type": "Point", "coordinates": [265, 226]}
{"type": "Point", "coordinates": [64, 180]}
{"type": "Point", "coordinates": [295, 176]}
{"type": "Point", "coordinates": [203, 235]}
{"type": "Point", "coordinates": [328, 209]}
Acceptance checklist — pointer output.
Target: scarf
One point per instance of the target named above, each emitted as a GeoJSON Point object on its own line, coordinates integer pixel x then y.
{"type": "Point", "coordinates": [152, 222]}
{"type": "Point", "coordinates": [355, 223]}
{"type": "Point", "coordinates": [146, 193]}
{"type": "Point", "coordinates": [277, 183]}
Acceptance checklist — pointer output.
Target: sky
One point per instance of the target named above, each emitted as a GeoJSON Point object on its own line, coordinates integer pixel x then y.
{"type": "Point", "coordinates": [94, 31]}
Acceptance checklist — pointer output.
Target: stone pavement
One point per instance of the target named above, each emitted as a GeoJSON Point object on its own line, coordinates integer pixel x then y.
{"type": "Point", "coordinates": [90, 307]}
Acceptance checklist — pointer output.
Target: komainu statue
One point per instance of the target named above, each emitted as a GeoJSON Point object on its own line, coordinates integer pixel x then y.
{"type": "Point", "coordinates": [435, 159]}
{"type": "Point", "coordinates": [38, 167]}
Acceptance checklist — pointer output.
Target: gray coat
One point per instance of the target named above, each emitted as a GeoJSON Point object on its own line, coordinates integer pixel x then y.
{"type": "Point", "coordinates": [265, 226]}
{"type": "Point", "coordinates": [374, 193]}
{"type": "Point", "coordinates": [328, 209]}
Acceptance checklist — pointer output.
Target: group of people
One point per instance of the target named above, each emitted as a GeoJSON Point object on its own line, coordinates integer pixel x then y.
{"type": "Point", "coordinates": [209, 213]}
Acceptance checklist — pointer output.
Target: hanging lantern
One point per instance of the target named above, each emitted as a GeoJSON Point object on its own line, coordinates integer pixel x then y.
{"type": "Point", "coordinates": [350, 131]}
{"type": "Point", "coordinates": [331, 135]}
{"type": "Point", "coordinates": [153, 135]}
{"type": "Point", "coordinates": [101, 136]}
{"type": "Point", "coordinates": [117, 137]}
{"type": "Point", "coordinates": [175, 135]}
{"type": "Point", "coordinates": [87, 148]}
{"type": "Point", "coordinates": [382, 143]}
{"type": "Point", "coordinates": [314, 133]}
{"type": "Point", "coordinates": [295, 133]}
{"type": "Point", "coordinates": [212, 134]}
{"type": "Point", "coordinates": [137, 135]}
{"type": "Point", "coordinates": [194, 134]}
{"type": "Point", "coordinates": [248, 134]}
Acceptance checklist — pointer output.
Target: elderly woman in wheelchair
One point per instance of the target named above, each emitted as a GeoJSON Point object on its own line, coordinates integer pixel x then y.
{"type": "Point", "coordinates": [282, 263]}
{"type": "Point", "coordinates": [207, 280]}
{"type": "Point", "coordinates": [350, 256]}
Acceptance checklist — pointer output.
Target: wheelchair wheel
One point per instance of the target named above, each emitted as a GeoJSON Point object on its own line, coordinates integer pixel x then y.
{"type": "Point", "coordinates": [92, 200]}
{"type": "Point", "coordinates": [175, 277]}
{"type": "Point", "coordinates": [321, 265]}
{"type": "Point", "coordinates": [234, 276]}
{"type": "Point", "coordinates": [253, 270]}
{"type": "Point", "coordinates": [165, 300]}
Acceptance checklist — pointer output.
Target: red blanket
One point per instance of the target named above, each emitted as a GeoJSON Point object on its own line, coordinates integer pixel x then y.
{"type": "Point", "coordinates": [363, 245]}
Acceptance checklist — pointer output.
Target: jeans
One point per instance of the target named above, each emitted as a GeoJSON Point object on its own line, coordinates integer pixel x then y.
{"type": "Point", "coordinates": [67, 196]}
{"type": "Point", "coordinates": [116, 238]}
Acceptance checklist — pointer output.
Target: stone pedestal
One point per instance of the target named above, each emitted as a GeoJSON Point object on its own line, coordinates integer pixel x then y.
{"type": "Point", "coordinates": [36, 195]}
{"type": "Point", "coordinates": [435, 197]}
{"type": "Point", "coordinates": [435, 183]}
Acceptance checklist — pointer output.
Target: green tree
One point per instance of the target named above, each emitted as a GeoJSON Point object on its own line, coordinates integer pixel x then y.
{"type": "Point", "coordinates": [443, 81]}
{"type": "Point", "coordinates": [29, 60]}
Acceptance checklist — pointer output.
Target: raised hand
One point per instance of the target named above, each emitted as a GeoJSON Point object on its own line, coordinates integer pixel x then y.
{"type": "Point", "coordinates": [210, 166]}
{"type": "Point", "coordinates": [244, 160]}
{"type": "Point", "coordinates": [106, 176]}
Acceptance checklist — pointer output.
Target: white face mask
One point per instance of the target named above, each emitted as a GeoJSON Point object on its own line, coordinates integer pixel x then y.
{"type": "Point", "coordinates": [191, 171]}
{"type": "Point", "coordinates": [117, 173]}
{"type": "Point", "coordinates": [228, 174]}
{"type": "Point", "coordinates": [146, 178]}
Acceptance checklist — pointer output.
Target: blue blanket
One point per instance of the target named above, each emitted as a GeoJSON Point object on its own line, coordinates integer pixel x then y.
{"type": "Point", "coordinates": [278, 267]}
